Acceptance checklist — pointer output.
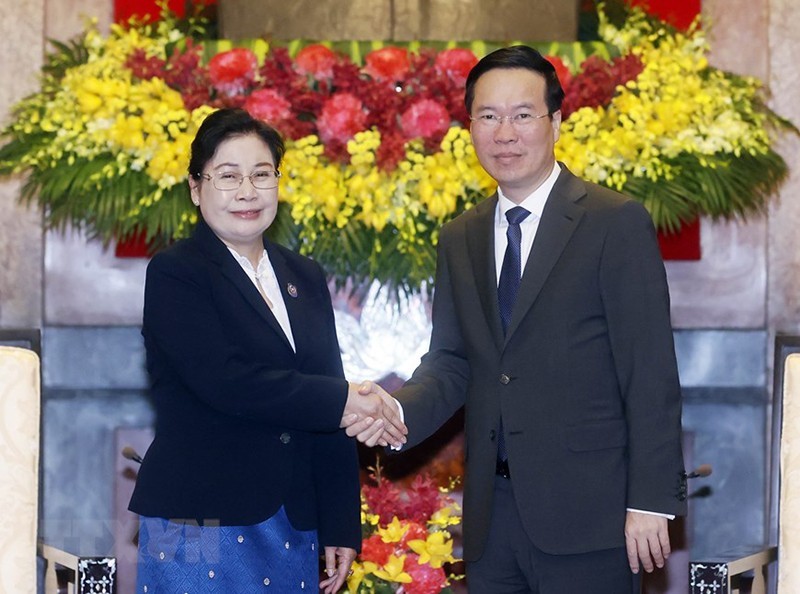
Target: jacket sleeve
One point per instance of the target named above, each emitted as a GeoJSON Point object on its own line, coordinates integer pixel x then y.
{"type": "Point", "coordinates": [635, 296]}
{"type": "Point", "coordinates": [438, 387]}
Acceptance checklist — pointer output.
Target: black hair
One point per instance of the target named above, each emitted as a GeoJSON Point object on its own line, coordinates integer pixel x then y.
{"type": "Point", "coordinates": [228, 123]}
{"type": "Point", "coordinates": [517, 56]}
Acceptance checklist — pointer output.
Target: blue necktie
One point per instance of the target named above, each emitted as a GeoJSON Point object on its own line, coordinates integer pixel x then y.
{"type": "Point", "coordinates": [508, 286]}
{"type": "Point", "coordinates": [511, 271]}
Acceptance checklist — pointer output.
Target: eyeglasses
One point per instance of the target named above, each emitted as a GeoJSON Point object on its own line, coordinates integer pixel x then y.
{"type": "Point", "coordinates": [263, 179]}
{"type": "Point", "coordinates": [491, 121]}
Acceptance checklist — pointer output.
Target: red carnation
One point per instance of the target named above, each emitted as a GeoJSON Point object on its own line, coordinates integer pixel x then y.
{"type": "Point", "coordinates": [341, 118]}
{"type": "Point", "coordinates": [564, 75]}
{"type": "Point", "coordinates": [316, 60]}
{"type": "Point", "coordinates": [456, 64]}
{"type": "Point", "coordinates": [424, 578]}
{"type": "Point", "coordinates": [268, 105]}
{"type": "Point", "coordinates": [234, 71]}
{"type": "Point", "coordinates": [387, 64]}
{"type": "Point", "coordinates": [425, 118]}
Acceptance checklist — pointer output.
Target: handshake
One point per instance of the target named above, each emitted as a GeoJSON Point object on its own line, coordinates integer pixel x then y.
{"type": "Point", "coordinates": [372, 416]}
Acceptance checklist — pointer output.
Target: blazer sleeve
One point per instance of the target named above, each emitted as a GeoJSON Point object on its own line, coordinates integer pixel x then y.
{"type": "Point", "coordinates": [185, 330]}
{"type": "Point", "coordinates": [438, 387]}
{"type": "Point", "coordinates": [635, 296]}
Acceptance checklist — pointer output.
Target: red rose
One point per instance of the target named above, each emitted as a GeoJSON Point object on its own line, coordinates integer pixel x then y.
{"type": "Point", "coordinates": [564, 75]}
{"type": "Point", "coordinates": [341, 118]}
{"type": "Point", "coordinates": [456, 64]}
{"type": "Point", "coordinates": [425, 118]}
{"type": "Point", "coordinates": [268, 105]}
{"type": "Point", "coordinates": [233, 71]}
{"type": "Point", "coordinates": [387, 64]}
{"type": "Point", "coordinates": [316, 60]}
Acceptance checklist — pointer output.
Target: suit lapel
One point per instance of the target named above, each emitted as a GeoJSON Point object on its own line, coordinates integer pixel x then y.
{"type": "Point", "coordinates": [480, 242]}
{"type": "Point", "coordinates": [218, 253]}
{"type": "Point", "coordinates": [559, 219]}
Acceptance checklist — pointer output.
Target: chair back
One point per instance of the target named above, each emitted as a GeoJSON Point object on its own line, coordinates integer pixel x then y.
{"type": "Point", "coordinates": [788, 532]}
{"type": "Point", "coordinates": [19, 468]}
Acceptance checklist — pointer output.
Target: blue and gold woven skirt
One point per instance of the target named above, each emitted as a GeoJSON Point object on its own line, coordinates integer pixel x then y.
{"type": "Point", "coordinates": [268, 557]}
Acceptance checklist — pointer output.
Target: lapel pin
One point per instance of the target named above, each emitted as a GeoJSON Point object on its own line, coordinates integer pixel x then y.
{"type": "Point", "coordinates": [291, 289]}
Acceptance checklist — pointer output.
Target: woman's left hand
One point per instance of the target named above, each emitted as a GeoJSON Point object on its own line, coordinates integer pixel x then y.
{"type": "Point", "coordinates": [337, 567]}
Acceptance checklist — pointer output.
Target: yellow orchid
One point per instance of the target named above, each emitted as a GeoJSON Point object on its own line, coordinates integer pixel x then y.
{"type": "Point", "coordinates": [393, 570]}
{"type": "Point", "coordinates": [436, 550]}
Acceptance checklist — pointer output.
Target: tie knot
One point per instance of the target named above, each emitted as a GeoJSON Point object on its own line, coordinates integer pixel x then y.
{"type": "Point", "coordinates": [516, 215]}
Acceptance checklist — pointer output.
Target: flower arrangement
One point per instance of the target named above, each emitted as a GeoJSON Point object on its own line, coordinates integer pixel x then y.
{"type": "Point", "coordinates": [378, 146]}
{"type": "Point", "coordinates": [407, 544]}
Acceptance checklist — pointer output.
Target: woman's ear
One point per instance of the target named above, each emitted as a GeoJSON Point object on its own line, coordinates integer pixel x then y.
{"type": "Point", "coordinates": [194, 190]}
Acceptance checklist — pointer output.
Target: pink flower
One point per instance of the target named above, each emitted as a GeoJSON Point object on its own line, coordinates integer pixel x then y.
{"type": "Point", "coordinates": [316, 60]}
{"type": "Point", "coordinates": [268, 105]}
{"type": "Point", "coordinates": [232, 72]}
{"type": "Point", "coordinates": [425, 118]}
{"type": "Point", "coordinates": [424, 578]}
{"type": "Point", "coordinates": [456, 64]}
{"type": "Point", "coordinates": [388, 64]}
{"type": "Point", "coordinates": [341, 118]}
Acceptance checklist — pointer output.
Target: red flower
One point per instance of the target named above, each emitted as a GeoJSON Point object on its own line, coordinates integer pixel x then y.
{"type": "Point", "coordinates": [564, 75]}
{"type": "Point", "coordinates": [456, 64]}
{"type": "Point", "coordinates": [414, 531]}
{"type": "Point", "coordinates": [316, 60]}
{"type": "Point", "coordinates": [233, 71]}
{"type": "Point", "coordinates": [387, 64]}
{"type": "Point", "coordinates": [375, 550]}
{"type": "Point", "coordinates": [424, 578]}
{"type": "Point", "coordinates": [268, 105]}
{"type": "Point", "coordinates": [425, 118]}
{"type": "Point", "coordinates": [341, 118]}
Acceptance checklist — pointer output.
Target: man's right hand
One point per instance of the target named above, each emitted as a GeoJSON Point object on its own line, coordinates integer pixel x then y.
{"type": "Point", "coordinates": [372, 416]}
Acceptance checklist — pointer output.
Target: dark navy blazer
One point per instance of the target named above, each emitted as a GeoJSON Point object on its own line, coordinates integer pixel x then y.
{"type": "Point", "coordinates": [244, 424]}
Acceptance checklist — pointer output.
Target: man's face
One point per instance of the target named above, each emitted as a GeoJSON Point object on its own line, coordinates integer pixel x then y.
{"type": "Point", "coordinates": [519, 156]}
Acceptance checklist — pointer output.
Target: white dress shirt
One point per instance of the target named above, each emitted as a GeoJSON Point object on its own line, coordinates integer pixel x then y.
{"type": "Point", "coordinates": [266, 282]}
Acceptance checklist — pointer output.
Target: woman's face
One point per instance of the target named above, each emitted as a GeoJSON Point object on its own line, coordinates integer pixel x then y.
{"type": "Point", "coordinates": [238, 216]}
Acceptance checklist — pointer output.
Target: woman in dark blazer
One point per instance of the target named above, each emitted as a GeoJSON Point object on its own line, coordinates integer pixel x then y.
{"type": "Point", "coordinates": [249, 473]}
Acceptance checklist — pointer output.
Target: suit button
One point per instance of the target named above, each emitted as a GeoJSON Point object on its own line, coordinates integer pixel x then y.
{"type": "Point", "coordinates": [285, 438]}
{"type": "Point", "coordinates": [504, 379]}
{"type": "Point", "coordinates": [492, 434]}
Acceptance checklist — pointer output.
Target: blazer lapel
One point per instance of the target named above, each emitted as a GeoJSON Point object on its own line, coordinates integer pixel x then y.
{"type": "Point", "coordinates": [480, 244]}
{"type": "Point", "coordinates": [218, 253]}
{"type": "Point", "coordinates": [559, 219]}
{"type": "Point", "coordinates": [291, 293]}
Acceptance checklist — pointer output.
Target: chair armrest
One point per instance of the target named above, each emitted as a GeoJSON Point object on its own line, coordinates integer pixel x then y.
{"type": "Point", "coordinates": [87, 575]}
{"type": "Point", "coordinates": [722, 574]}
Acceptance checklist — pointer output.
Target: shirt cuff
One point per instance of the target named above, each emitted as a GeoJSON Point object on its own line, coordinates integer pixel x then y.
{"type": "Point", "coordinates": [402, 420]}
{"type": "Point", "coordinates": [652, 513]}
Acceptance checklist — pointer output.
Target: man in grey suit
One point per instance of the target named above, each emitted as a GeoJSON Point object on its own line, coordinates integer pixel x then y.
{"type": "Point", "coordinates": [551, 326]}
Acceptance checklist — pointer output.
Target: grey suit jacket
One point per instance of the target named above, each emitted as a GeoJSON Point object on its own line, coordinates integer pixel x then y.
{"type": "Point", "coordinates": [585, 379]}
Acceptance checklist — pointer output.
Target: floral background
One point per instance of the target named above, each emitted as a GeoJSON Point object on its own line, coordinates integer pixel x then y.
{"type": "Point", "coordinates": [379, 154]}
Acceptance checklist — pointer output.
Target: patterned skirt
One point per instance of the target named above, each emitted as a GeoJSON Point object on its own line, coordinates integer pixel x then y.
{"type": "Point", "coordinates": [177, 558]}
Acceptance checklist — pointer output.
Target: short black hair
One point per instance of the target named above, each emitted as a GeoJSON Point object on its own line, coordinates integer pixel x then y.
{"type": "Point", "coordinates": [517, 56]}
{"type": "Point", "coordinates": [227, 123]}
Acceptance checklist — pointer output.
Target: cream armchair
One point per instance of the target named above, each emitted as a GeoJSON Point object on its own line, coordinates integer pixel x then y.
{"type": "Point", "coordinates": [753, 569]}
{"type": "Point", "coordinates": [19, 492]}
{"type": "Point", "coordinates": [788, 531]}
{"type": "Point", "coordinates": [19, 460]}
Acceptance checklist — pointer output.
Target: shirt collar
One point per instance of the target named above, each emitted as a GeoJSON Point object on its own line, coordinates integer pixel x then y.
{"type": "Point", "coordinates": [263, 263]}
{"type": "Point", "coordinates": [534, 202]}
